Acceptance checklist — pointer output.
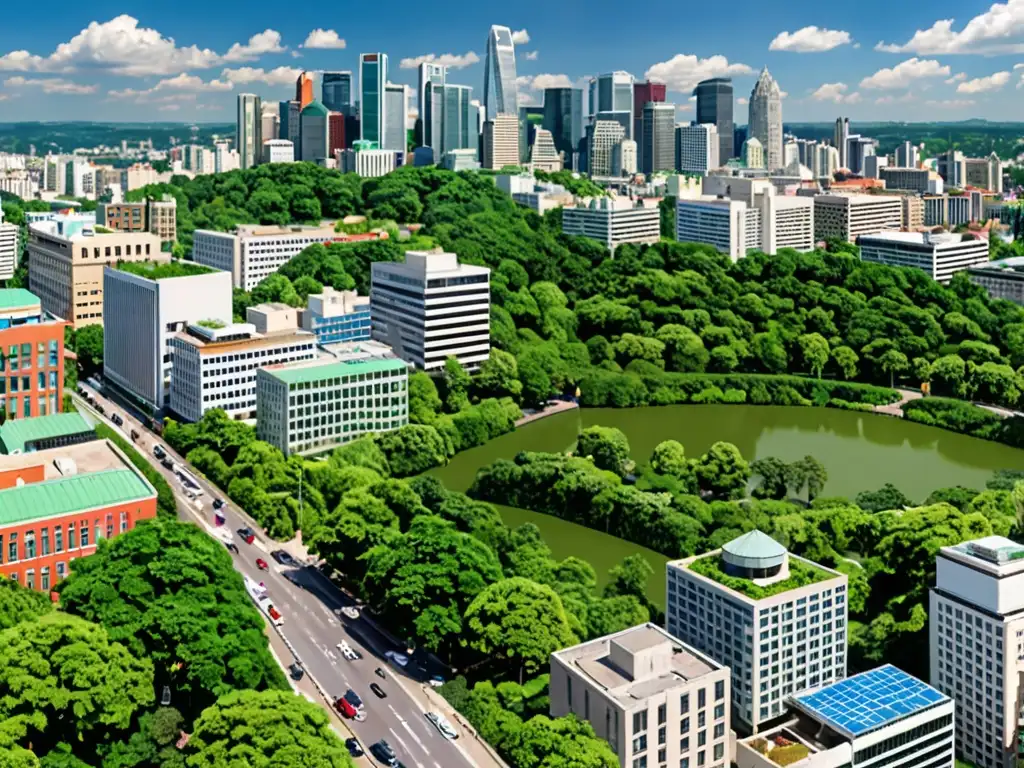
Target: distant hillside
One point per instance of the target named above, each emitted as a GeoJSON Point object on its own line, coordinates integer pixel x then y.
{"type": "Point", "coordinates": [975, 137]}
{"type": "Point", "coordinates": [64, 137]}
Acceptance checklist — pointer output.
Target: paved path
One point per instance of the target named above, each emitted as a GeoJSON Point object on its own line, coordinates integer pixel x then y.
{"type": "Point", "coordinates": [553, 407]}
{"type": "Point", "coordinates": [896, 409]}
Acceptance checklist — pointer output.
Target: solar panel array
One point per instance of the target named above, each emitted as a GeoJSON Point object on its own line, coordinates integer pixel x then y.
{"type": "Point", "coordinates": [869, 700]}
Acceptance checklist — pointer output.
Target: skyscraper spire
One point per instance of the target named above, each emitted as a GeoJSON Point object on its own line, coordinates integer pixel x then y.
{"type": "Point", "coordinates": [765, 121]}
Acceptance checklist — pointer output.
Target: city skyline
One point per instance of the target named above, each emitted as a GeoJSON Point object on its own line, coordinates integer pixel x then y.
{"type": "Point", "coordinates": [951, 62]}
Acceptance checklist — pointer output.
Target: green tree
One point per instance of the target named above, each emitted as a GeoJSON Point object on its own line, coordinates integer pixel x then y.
{"type": "Point", "coordinates": [89, 348]}
{"type": "Point", "coordinates": [684, 349]}
{"type": "Point", "coordinates": [412, 449]}
{"type": "Point", "coordinates": [807, 473]}
{"type": "Point", "coordinates": [723, 471]}
{"type": "Point", "coordinates": [815, 350]}
{"type": "Point", "coordinates": [565, 742]}
{"type": "Point", "coordinates": [608, 447]}
{"type": "Point", "coordinates": [893, 362]}
{"type": "Point", "coordinates": [424, 402]}
{"type": "Point", "coordinates": [846, 359]}
{"type": "Point", "coordinates": [457, 383]}
{"type": "Point", "coordinates": [19, 604]}
{"type": "Point", "coordinates": [630, 577]}
{"type": "Point", "coordinates": [499, 376]}
{"type": "Point", "coordinates": [772, 473]}
{"type": "Point", "coordinates": [669, 458]}
{"type": "Point", "coordinates": [536, 383]}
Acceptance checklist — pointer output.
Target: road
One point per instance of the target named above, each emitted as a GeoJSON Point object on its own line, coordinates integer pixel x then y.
{"type": "Point", "coordinates": [313, 625]}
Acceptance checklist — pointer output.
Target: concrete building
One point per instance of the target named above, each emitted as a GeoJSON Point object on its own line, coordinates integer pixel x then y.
{"type": "Point", "coordinates": [624, 159]}
{"type": "Point", "coordinates": [252, 252]}
{"type": "Point", "coordinates": [430, 307]}
{"type": "Point", "coordinates": [460, 160]}
{"type": "Point", "coordinates": [269, 123]}
{"type": "Point", "coordinates": [941, 255]}
{"type": "Point", "coordinates": [396, 110]}
{"type": "Point", "coordinates": [316, 406]}
{"type": "Point", "coordinates": [10, 248]}
{"type": "Point", "coordinates": [827, 161]}
{"type": "Point", "coordinates": [336, 90]}
{"type": "Point", "coordinates": [1002, 279]}
{"type": "Point", "coordinates": [882, 717]}
{"type": "Point", "coordinates": [840, 134]}
{"type": "Point", "coordinates": [612, 98]}
{"type": "Point", "coordinates": [644, 94]}
{"type": "Point", "coordinates": [156, 216]}
{"type": "Point", "coordinates": [430, 75]}
{"type": "Point", "coordinates": [337, 316]}
{"type": "Point", "coordinates": [910, 179]}
{"type": "Point", "coordinates": [543, 155]}
{"type": "Point", "coordinates": [907, 155]}
{"type": "Point", "coordinates": [655, 700]}
{"type": "Point", "coordinates": [66, 272]}
{"type": "Point", "coordinates": [449, 119]}
{"type": "Point", "coordinates": [278, 151]}
{"type": "Point", "coordinates": [144, 304]}
{"type": "Point", "coordinates": [57, 504]}
{"type": "Point", "coordinates": [613, 221]}
{"type": "Point", "coordinates": [539, 197]}
{"type": "Point", "coordinates": [858, 150]}
{"type": "Point", "coordinates": [604, 136]}
{"type": "Point", "coordinates": [657, 144]}
{"type": "Point", "coordinates": [765, 121]}
{"type": "Point", "coordinates": [500, 89]}
{"type": "Point", "coordinates": [315, 134]}
{"type": "Point", "coordinates": [32, 363]}
{"type": "Point", "coordinates": [913, 213]}
{"type": "Point", "coordinates": [697, 148]}
{"type": "Point", "coordinates": [248, 130]}
{"type": "Point", "coordinates": [501, 142]}
{"type": "Point", "coordinates": [563, 117]}
{"type": "Point", "coordinates": [952, 167]}
{"type": "Point", "coordinates": [979, 597]}
{"type": "Point", "coordinates": [753, 153]}
{"type": "Point", "coordinates": [273, 317]}
{"type": "Point", "coordinates": [947, 210]}
{"type": "Point", "coordinates": [215, 365]}
{"type": "Point", "coordinates": [368, 163]}
{"type": "Point", "coordinates": [373, 76]}
{"type": "Point", "coordinates": [985, 173]}
{"type": "Point", "coordinates": [289, 125]}
{"type": "Point", "coordinates": [789, 640]}
{"type": "Point", "coordinates": [847, 217]}
{"type": "Point", "coordinates": [873, 166]}
{"type": "Point", "coordinates": [714, 106]}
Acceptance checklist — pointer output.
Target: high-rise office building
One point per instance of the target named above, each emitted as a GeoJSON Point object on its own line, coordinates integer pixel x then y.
{"type": "Point", "coordinates": [288, 123]}
{"type": "Point", "coordinates": [315, 130]}
{"type": "Point", "coordinates": [436, 75]}
{"type": "Point", "coordinates": [269, 123]}
{"type": "Point", "coordinates": [304, 89]}
{"type": "Point", "coordinates": [624, 160]}
{"type": "Point", "coordinates": [336, 91]}
{"type": "Point", "coordinates": [9, 235]}
{"type": "Point", "coordinates": [604, 135]}
{"type": "Point", "coordinates": [449, 119]}
{"type": "Point", "coordinates": [753, 153]}
{"type": "Point", "coordinates": [335, 132]}
{"type": "Point", "coordinates": [543, 155]}
{"type": "Point", "coordinates": [563, 116]}
{"type": "Point", "coordinates": [643, 94]}
{"type": "Point", "coordinates": [657, 145]}
{"type": "Point", "coordinates": [396, 109]}
{"type": "Point", "coordinates": [765, 122]}
{"type": "Point", "coordinates": [840, 136]}
{"type": "Point", "coordinates": [611, 98]}
{"type": "Point", "coordinates": [952, 167]}
{"type": "Point", "coordinates": [501, 142]}
{"type": "Point", "coordinates": [500, 90]}
{"type": "Point", "coordinates": [714, 105]}
{"type": "Point", "coordinates": [248, 130]}
{"type": "Point", "coordinates": [697, 148]}
{"type": "Point", "coordinates": [373, 75]}
{"type": "Point", "coordinates": [907, 155]}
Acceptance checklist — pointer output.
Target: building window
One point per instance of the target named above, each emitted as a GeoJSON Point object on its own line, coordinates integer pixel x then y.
{"type": "Point", "coordinates": [85, 535]}
{"type": "Point", "coordinates": [30, 545]}
{"type": "Point", "coordinates": [30, 579]}
{"type": "Point", "coordinates": [60, 570]}
{"type": "Point", "coordinates": [71, 536]}
{"type": "Point", "coordinates": [639, 721]}
{"type": "Point", "coordinates": [719, 690]}
{"type": "Point", "coordinates": [44, 579]}
{"type": "Point", "coordinates": [58, 539]}
{"type": "Point", "coordinates": [45, 535]}
{"type": "Point", "coordinates": [12, 549]}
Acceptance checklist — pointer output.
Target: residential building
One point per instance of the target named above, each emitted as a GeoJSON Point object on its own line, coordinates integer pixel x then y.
{"type": "Point", "coordinates": [613, 221]}
{"type": "Point", "coordinates": [156, 216]}
{"type": "Point", "coordinates": [319, 405]}
{"type": "Point", "coordinates": [910, 179]}
{"type": "Point", "coordinates": [952, 167]}
{"type": "Point", "coordinates": [764, 638]}
{"type": "Point", "coordinates": [881, 717]}
{"type": "Point", "coordinates": [31, 356]}
{"type": "Point", "coordinates": [163, 218]}
{"type": "Point", "coordinates": [373, 76]}
{"type": "Point", "coordinates": [430, 307]}
{"type": "Point", "coordinates": [644, 94]}
{"type": "Point", "coordinates": [753, 153]}
{"type": "Point", "coordinates": [655, 700]}
{"type": "Point", "coordinates": [278, 151]}
{"type": "Point", "coordinates": [10, 248]}
{"type": "Point", "coordinates": [611, 98]}
{"type": "Point", "coordinates": [913, 212]}
{"type": "Point", "coordinates": [144, 304]}
{"type": "Point", "coordinates": [543, 155]}
{"type": "Point", "coordinates": [215, 365]}
{"type": "Point", "coordinates": [66, 272]}
{"type": "Point", "coordinates": [697, 148]}
{"type": "Point", "coordinates": [979, 596]}
{"type": "Point", "coordinates": [248, 131]}
{"type": "Point", "coordinates": [624, 159]}
{"type": "Point", "coordinates": [941, 255]}
{"type": "Point", "coordinates": [19, 183]}
{"type": "Point", "coordinates": [1002, 279]}
{"type": "Point", "coordinates": [56, 505]}
{"type": "Point", "coordinates": [657, 146]}
{"type": "Point", "coordinates": [765, 122]}
{"type": "Point", "coordinates": [501, 141]}
{"type": "Point", "coordinates": [500, 90]}
{"type": "Point", "coordinates": [984, 173]}
{"type": "Point", "coordinates": [563, 117]}
{"type": "Point", "coordinates": [847, 217]}
{"type": "Point", "coordinates": [336, 91]}
{"type": "Point", "coordinates": [840, 135]}
{"type": "Point", "coordinates": [604, 136]}
{"type": "Point", "coordinates": [396, 110]}
{"type": "Point", "coordinates": [314, 129]}
{"type": "Point", "coordinates": [368, 163]}
{"type": "Point", "coordinates": [337, 316]}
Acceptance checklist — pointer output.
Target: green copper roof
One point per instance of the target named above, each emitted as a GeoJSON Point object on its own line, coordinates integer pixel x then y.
{"type": "Point", "coordinates": [754, 545]}
{"type": "Point", "coordinates": [67, 495]}
{"type": "Point", "coordinates": [306, 373]}
{"type": "Point", "coordinates": [15, 433]}
{"type": "Point", "coordinates": [17, 298]}
{"type": "Point", "coordinates": [315, 107]}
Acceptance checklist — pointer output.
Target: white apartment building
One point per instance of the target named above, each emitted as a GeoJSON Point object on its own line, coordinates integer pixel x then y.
{"type": "Point", "coordinates": [603, 137]}
{"type": "Point", "coordinates": [976, 636]}
{"type": "Point", "coordinates": [731, 226]}
{"type": "Point", "coordinates": [254, 252]}
{"type": "Point", "coordinates": [920, 180]}
{"type": "Point", "coordinates": [9, 236]}
{"type": "Point", "coordinates": [538, 196]}
{"type": "Point", "coordinates": [655, 700]}
{"type": "Point", "coordinates": [215, 366]}
{"type": "Point", "coordinates": [777, 646]}
{"type": "Point", "coordinates": [847, 217]}
{"type": "Point", "coordinates": [613, 221]}
{"type": "Point", "coordinates": [941, 255]}
{"type": "Point", "coordinates": [316, 406]}
{"type": "Point", "coordinates": [430, 307]}
{"type": "Point", "coordinates": [278, 151]}
{"type": "Point", "coordinates": [882, 717]}
{"type": "Point", "coordinates": [697, 147]}
{"type": "Point", "coordinates": [367, 163]}
{"type": "Point", "coordinates": [1002, 279]}
{"type": "Point", "coordinates": [501, 141]}
{"type": "Point", "coordinates": [144, 304]}
{"type": "Point", "coordinates": [18, 182]}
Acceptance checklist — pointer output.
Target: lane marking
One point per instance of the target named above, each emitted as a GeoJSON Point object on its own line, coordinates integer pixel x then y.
{"type": "Point", "coordinates": [417, 738]}
{"type": "Point", "coordinates": [400, 741]}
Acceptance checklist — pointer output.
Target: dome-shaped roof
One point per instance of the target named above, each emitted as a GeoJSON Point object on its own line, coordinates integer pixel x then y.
{"type": "Point", "coordinates": [754, 550]}
{"type": "Point", "coordinates": [315, 107]}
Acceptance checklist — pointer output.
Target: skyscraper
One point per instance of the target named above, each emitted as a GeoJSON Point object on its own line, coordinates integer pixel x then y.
{"type": "Point", "coordinates": [429, 73]}
{"type": "Point", "coordinates": [458, 118]}
{"type": "Point", "coordinates": [697, 148]}
{"type": "Point", "coordinates": [906, 155]}
{"type": "Point", "coordinates": [396, 109]}
{"type": "Point", "coordinates": [269, 124]}
{"type": "Point", "coordinates": [765, 122]}
{"type": "Point", "coordinates": [304, 89]}
{"type": "Point", "coordinates": [657, 146]}
{"type": "Point", "coordinates": [250, 142]}
{"type": "Point", "coordinates": [373, 74]}
{"type": "Point", "coordinates": [288, 123]}
{"type": "Point", "coordinates": [501, 142]}
{"type": "Point", "coordinates": [840, 135]}
{"type": "Point", "coordinates": [643, 93]}
{"type": "Point", "coordinates": [336, 90]}
{"type": "Point", "coordinates": [315, 132]}
{"type": "Point", "coordinates": [500, 93]}
{"type": "Point", "coordinates": [604, 136]}
{"type": "Point", "coordinates": [714, 105]}
{"type": "Point", "coordinates": [563, 117]}
{"type": "Point", "coordinates": [611, 98]}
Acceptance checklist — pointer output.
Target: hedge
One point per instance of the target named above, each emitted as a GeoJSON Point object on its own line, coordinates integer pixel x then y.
{"type": "Point", "coordinates": [165, 502]}
{"type": "Point", "coordinates": [966, 418]}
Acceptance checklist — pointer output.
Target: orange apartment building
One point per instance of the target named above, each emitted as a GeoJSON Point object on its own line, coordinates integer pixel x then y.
{"type": "Point", "coordinates": [31, 356]}
{"type": "Point", "coordinates": [56, 504]}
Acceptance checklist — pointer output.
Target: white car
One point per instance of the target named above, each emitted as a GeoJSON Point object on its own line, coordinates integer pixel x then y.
{"type": "Point", "coordinates": [443, 726]}
{"type": "Point", "coordinates": [348, 651]}
{"type": "Point", "coordinates": [350, 612]}
{"type": "Point", "coordinates": [398, 658]}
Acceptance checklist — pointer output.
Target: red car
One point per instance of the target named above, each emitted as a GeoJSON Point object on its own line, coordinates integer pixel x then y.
{"type": "Point", "coordinates": [261, 564]}
{"type": "Point", "coordinates": [247, 535]}
{"type": "Point", "coordinates": [342, 705]}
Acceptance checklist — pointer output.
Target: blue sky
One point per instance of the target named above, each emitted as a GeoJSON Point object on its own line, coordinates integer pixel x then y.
{"type": "Point", "coordinates": [186, 61]}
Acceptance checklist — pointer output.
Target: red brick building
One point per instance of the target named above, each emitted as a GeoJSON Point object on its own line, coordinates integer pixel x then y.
{"type": "Point", "coordinates": [335, 132]}
{"type": "Point", "coordinates": [31, 356]}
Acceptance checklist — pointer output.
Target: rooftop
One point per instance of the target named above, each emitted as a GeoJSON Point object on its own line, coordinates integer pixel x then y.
{"type": "Point", "coordinates": [868, 701]}
{"type": "Point", "coordinates": [1011, 264]}
{"type": "Point", "coordinates": [920, 238]}
{"type": "Point", "coordinates": [802, 573]}
{"type": "Point", "coordinates": [997, 550]}
{"type": "Point", "coordinates": [17, 298]}
{"type": "Point", "coordinates": [152, 270]}
{"type": "Point", "coordinates": [71, 494]}
{"type": "Point", "coordinates": [754, 545]}
{"type": "Point", "coordinates": [15, 433]}
{"type": "Point", "coordinates": [329, 369]}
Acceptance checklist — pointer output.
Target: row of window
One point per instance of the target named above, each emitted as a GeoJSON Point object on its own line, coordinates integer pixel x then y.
{"type": "Point", "coordinates": [61, 570]}
{"type": "Point", "coordinates": [29, 546]}
{"type": "Point", "coordinates": [15, 384]}
{"type": "Point", "coordinates": [19, 357]}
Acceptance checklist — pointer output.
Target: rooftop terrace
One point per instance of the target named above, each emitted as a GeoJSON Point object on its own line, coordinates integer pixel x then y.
{"type": "Point", "coordinates": [152, 270]}
{"type": "Point", "coordinates": [801, 574]}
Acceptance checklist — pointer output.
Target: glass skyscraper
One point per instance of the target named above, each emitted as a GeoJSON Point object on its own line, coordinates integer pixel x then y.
{"type": "Point", "coordinates": [563, 116]}
{"type": "Point", "coordinates": [336, 89]}
{"type": "Point", "coordinates": [373, 75]}
{"type": "Point", "coordinates": [396, 108]}
{"type": "Point", "coordinates": [500, 92]}
{"type": "Point", "coordinates": [450, 119]}
{"type": "Point", "coordinates": [611, 98]}
{"type": "Point", "coordinates": [714, 105]}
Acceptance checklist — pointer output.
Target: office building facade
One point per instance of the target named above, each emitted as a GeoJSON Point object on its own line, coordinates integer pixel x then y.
{"type": "Point", "coordinates": [336, 91]}
{"type": "Point", "coordinates": [448, 121]}
{"type": "Point", "coordinates": [368, 163]}
{"type": "Point", "coordinates": [604, 136]}
{"type": "Point", "coordinates": [909, 179]}
{"type": "Point", "coordinates": [373, 77]}
{"type": "Point", "coordinates": [249, 130]}
{"type": "Point", "coordinates": [624, 159]}
{"type": "Point", "coordinates": [613, 222]}
{"type": "Point", "coordinates": [314, 128]}
{"type": "Point", "coordinates": [847, 217]}
{"type": "Point", "coordinates": [611, 98]}
{"type": "Point", "coordinates": [429, 74]}
{"type": "Point", "coordinates": [543, 155]}
{"type": "Point", "coordinates": [501, 142]}
{"type": "Point", "coordinates": [765, 122]}
{"type": "Point", "coordinates": [840, 136]}
{"type": "Point", "coordinates": [907, 155]}
{"type": "Point", "coordinates": [753, 153]}
{"type": "Point", "coordinates": [10, 247]}
{"type": "Point", "coordinates": [941, 255]}
{"type": "Point", "coordinates": [644, 94]}
{"type": "Point", "coordinates": [337, 316]}
{"type": "Point", "coordinates": [715, 106]}
{"type": "Point", "coordinates": [657, 145]}
{"type": "Point", "coordinates": [396, 109]}
{"type": "Point", "coordinates": [32, 359]}
{"type": "Point", "coordinates": [697, 148]}
{"type": "Point", "coordinates": [563, 116]}
{"type": "Point", "coordinates": [278, 151]}
{"type": "Point", "coordinates": [501, 95]}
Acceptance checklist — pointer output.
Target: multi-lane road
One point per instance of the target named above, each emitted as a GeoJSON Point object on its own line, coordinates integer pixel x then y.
{"type": "Point", "coordinates": [313, 625]}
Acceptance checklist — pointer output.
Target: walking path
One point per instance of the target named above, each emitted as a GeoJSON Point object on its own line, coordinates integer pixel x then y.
{"type": "Point", "coordinates": [896, 409]}
{"type": "Point", "coordinates": [552, 407]}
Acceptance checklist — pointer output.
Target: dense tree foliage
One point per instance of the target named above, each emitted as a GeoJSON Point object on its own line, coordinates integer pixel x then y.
{"type": "Point", "coordinates": [19, 604]}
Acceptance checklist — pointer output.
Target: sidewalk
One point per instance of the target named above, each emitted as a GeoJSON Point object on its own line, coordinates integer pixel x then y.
{"type": "Point", "coordinates": [474, 747]}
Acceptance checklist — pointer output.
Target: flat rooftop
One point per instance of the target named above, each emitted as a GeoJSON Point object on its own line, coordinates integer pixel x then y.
{"type": "Point", "coordinates": [153, 270]}
{"type": "Point", "coordinates": [330, 368]}
{"type": "Point", "coordinates": [991, 553]}
{"type": "Point", "coordinates": [922, 238]}
{"type": "Point", "coordinates": [802, 573]}
{"type": "Point", "coordinates": [15, 433]}
{"type": "Point", "coordinates": [18, 298]}
{"type": "Point", "coordinates": [869, 701]}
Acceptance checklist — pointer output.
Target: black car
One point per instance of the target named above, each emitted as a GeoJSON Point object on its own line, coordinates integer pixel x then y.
{"type": "Point", "coordinates": [217, 503]}
{"type": "Point", "coordinates": [383, 752]}
{"type": "Point", "coordinates": [353, 698]}
{"type": "Point", "coordinates": [283, 557]}
{"type": "Point", "coordinates": [378, 691]}
{"type": "Point", "coordinates": [232, 547]}
{"type": "Point", "coordinates": [296, 671]}
{"type": "Point", "coordinates": [167, 462]}
{"type": "Point", "coordinates": [354, 747]}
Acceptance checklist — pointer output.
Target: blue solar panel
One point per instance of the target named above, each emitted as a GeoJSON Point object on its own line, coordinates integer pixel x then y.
{"type": "Point", "coordinates": [869, 700]}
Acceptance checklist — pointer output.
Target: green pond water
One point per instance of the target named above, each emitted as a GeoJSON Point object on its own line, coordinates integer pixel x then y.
{"type": "Point", "coordinates": [860, 451]}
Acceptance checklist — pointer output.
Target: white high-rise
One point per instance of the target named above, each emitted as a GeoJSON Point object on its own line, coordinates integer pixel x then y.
{"type": "Point", "coordinates": [604, 136]}
{"type": "Point", "coordinates": [8, 249]}
{"type": "Point", "coordinates": [697, 148]}
{"type": "Point", "coordinates": [396, 110]}
{"type": "Point", "coordinates": [765, 122]}
{"type": "Point", "coordinates": [840, 135]}
{"type": "Point", "coordinates": [249, 130]}
{"type": "Point", "coordinates": [500, 91]}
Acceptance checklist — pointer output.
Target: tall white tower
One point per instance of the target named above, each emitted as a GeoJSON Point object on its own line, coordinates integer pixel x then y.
{"type": "Point", "coordinates": [500, 93]}
{"type": "Point", "coordinates": [765, 121]}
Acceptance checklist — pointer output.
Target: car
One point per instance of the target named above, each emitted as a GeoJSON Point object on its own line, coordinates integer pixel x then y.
{"type": "Point", "coordinates": [344, 707]}
{"type": "Point", "coordinates": [436, 681]}
{"type": "Point", "coordinates": [355, 749]}
{"type": "Point", "coordinates": [378, 691]}
{"type": "Point", "coordinates": [247, 535]}
{"type": "Point", "coordinates": [262, 564]}
{"type": "Point", "coordinates": [158, 451]}
{"type": "Point", "coordinates": [348, 651]}
{"type": "Point", "coordinates": [101, 409]}
{"type": "Point", "coordinates": [350, 612]}
{"type": "Point", "coordinates": [444, 727]}
{"type": "Point", "coordinates": [398, 658]}
{"type": "Point", "coordinates": [283, 557]}
{"type": "Point", "coordinates": [135, 435]}
{"type": "Point", "coordinates": [218, 503]}
{"type": "Point", "coordinates": [353, 698]}
{"type": "Point", "coordinates": [296, 671]}
{"type": "Point", "coordinates": [232, 547]}
{"type": "Point", "coordinates": [167, 463]}
{"type": "Point", "coordinates": [383, 752]}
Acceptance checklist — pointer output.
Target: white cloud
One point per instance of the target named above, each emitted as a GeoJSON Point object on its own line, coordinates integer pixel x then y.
{"type": "Point", "coordinates": [991, 82]}
{"type": "Point", "coordinates": [184, 84]}
{"type": "Point", "coordinates": [743, 101]}
{"type": "Point", "coordinates": [905, 74]}
{"type": "Point", "coordinates": [683, 71]}
{"type": "Point", "coordinates": [951, 103]}
{"type": "Point", "coordinates": [450, 60]}
{"type": "Point", "coordinates": [684, 107]}
{"type": "Point", "coordinates": [520, 37]}
{"type": "Point", "coordinates": [4, 96]}
{"type": "Point", "coordinates": [267, 41]}
{"type": "Point", "coordinates": [323, 38]}
{"type": "Point", "coordinates": [895, 99]}
{"type": "Point", "coordinates": [958, 77]}
{"type": "Point", "coordinates": [50, 85]}
{"type": "Point", "coordinates": [1000, 29]}
{"type": "Point", "coordinates": [836, 93]}
{"type": "Point", "coordinates": [277, 76]}
{"type": "Point", "coordinates": [810, 40]}
{"type": "Point", "coordinates": [209, 107]}
{"type": "Point", "coordinates": [532, 55]}
{"type": "Point", "coordinates": [540, 82]}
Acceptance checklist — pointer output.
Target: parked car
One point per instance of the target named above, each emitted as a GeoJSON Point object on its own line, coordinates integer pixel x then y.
{"type": "Point", "coordinates": [283, 557]}
{"type": "Point", "coordinates": [355, 749]}
{"type": "Point", "coordinates": [353, 698]}
{"type": "Point", "coordinates": [247, 535]}
{"type": "Point", "coordinates": [344, 707]}
{"type": "Point", "coordinates": [378, 691]}
{"type": "Point", "coordinates": [444, 727]}
{"type": "Point", "coordinates": [350, 612]}
{"type": "Point", "coordinates": [436, 681]}
{"type": "Point", "coordinates": [167, 463]}
{"type": "Point", "coordinates": [218, 503]}
{"type": "Point", "coordinates": [262, 564]}
{"type": "Point", "coordinates": [296, 671]}
{"type": "Point", "coordinates": [383, 752]}
{"type": "Point", "coordinates": [398, 658]}
{"type": "Point", "coordinates": [158, 451]}
{"type": "Point", "coordinates": [101, 409]}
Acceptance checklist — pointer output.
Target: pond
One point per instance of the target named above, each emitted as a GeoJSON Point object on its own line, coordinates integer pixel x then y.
{"type": "Point", "coordinates": [860, 452]}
